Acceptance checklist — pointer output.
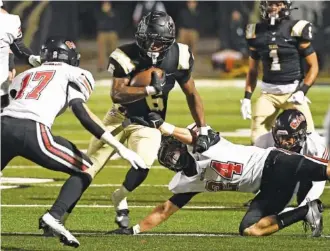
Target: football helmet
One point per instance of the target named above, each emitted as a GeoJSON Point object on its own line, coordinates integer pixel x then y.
{"type": "Point", "coordinates": [173, 154]}
{"type": "Point", "coordinates": [289, 131]}
{"type": "Point", "coordinates": [59, 49]}
{"type": "Point", "coordinates": [155, 34]}
{"type": "Point", "coordinates": [266, 11]}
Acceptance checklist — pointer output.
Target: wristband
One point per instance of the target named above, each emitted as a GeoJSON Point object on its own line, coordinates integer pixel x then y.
{"type": "Point", "coordinates": [136, 229]}
{"type": "Point", "coordinates": [167, 128]}
{"type": "Point", "coordinates": [11, 61]}
{"type": "Point", "coordinates": [304, 88]}
{"type": "Point", "coordinates": [247, 95]}
{"type": "Point", "coordinates": [151, 90]}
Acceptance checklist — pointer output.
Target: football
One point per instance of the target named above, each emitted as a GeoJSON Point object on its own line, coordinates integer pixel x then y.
{"type": "Point", "coordinates": [143, 78]}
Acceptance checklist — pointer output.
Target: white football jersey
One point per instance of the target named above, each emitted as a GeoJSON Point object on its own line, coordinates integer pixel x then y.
{"type": "Point", "coordinates": [315, 145]}
{"type": "Point", "coordinates": [10, 30]}
{"type": "Point", "coordinates": [44, 92]}
{"type": "Point", "coordinates": [225, 166]}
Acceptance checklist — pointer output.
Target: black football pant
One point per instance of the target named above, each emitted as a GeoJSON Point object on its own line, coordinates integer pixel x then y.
{"type": "Point", "coordinates": [34, 141]}
{"type": "Point", "coordinates": [281, 173]}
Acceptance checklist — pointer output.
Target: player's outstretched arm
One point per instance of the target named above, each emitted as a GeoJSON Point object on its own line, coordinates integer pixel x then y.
{"type": "Point", "coordinates": [159, 214]}
{"type": "Point", "coordinates": [308, 52]}
{"type": "Point", "coordinates": [94, 125]}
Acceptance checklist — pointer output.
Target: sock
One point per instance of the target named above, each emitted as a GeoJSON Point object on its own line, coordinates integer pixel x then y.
{"type": "Point", "coordinates": [290, 217]}
{"type": "Point", "coordinates": [134, 178]}
{"type": "Point", "coordinates": [119, 198]}
{"type": "Point", "coordinates": [71, 191]}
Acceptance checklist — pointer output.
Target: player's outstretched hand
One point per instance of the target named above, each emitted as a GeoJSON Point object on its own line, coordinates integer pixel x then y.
{"type": "Point", "coordinates": [203, 141]}
{"type": "Point", "coordinates": [157, 82]}
{"type": "Point", "coordinates": [122, 231]}
{"type": "Point", "coordinates": [132, 157]}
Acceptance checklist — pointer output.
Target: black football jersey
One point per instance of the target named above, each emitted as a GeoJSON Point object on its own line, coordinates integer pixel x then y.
{"type": "Point", "coordinates": [126, 61]}
{"type": "Point", "coordinates": [278, 48]}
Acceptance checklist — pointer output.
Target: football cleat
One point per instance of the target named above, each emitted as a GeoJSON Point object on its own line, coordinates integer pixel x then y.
{"type": "Point", "coordinates": [314, 218]}
{"type": "Point", "coordinates": [122, 218]}
{"type": "Point", "coordinates": [48, 232]}
{"type": "Point", "coordinates": [48, 223]}
{"type": "Point", "coordinates": [121, 208]}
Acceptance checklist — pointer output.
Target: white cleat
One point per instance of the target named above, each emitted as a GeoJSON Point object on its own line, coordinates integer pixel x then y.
{"type": "Point", "coordinates": [121, 208]}
{"type": "Point", "coordinates": [47, 222]}
{"type": "Point", "coordinates": [314, 217]}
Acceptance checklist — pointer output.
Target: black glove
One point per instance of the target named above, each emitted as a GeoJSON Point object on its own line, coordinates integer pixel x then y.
{"type": "Point", "coordinates": [157, 83]}
{"type": "Point", "coordinates": [202, 144]}
{"type": "Point", "coordinates": [122, 231]}
{"type": "Point", "coordinates": [155, 120]}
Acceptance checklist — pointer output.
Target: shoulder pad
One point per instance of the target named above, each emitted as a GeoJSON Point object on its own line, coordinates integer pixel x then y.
{"type": "Point", "coordinates": [297, 29]}
{"type": "Point", "coordinates": [123, 60]}
{"type": "Point", "coordinates": [184, 57]}
{"type": "Point", "coordinates": [83, 79]}
{"type": "Point", "coordinates": [250, 31]}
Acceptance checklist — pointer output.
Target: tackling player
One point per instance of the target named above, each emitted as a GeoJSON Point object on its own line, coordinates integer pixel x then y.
{"type": "Point", "coordinates": [281, 45]}
{"type": "Point", "coordinates": [38, 96]}
{"type": "Point", "coordinates": [11, 39]}
{"type": "Point", "coordinates": [154, 46]}
{"type": "Point", "coordinates": [232, 167]}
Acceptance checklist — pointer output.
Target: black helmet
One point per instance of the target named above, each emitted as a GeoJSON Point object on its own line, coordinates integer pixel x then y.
{"type": "Point", "coordinates": [173, 154]}
{"type": "Point", "coordinates": [284, 13]}
{"type": "Point", "coordinates": [155, 32]}
{"type": "Point", "coordinates": [59, 49]}
{"type": "Point", "coordinates": [289, 131]}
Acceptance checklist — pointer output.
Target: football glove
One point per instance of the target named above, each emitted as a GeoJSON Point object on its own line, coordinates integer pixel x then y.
{"type": "Point", "coordinates": [203, 141]}
{"type": "Point", "coordinates": [246, 108]}
{"type": "Point", "coordinates": [34, 60]}
{"type": "Point", "coordinates": [132, 157]}
{"type": "Point", "coordinates": [157, 83]}
{"type": "Point", "coordinates": [298, 98]}
{"type": "Point", "coordinates": [122, 231]}
{"type": "Point", "coordinates": [155, 120]}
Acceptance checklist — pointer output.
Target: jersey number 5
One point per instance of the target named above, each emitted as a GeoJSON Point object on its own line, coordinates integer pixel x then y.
{"type": "Point", "coordinates": [227, 169]}
{"type": "Point", "coordinates": [43, 78]}
{"type": "Point", "coordinates": [275, 60]}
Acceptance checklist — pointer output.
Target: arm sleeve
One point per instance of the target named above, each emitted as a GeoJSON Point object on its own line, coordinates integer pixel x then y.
{"type": "Point", "coordinates": [181, 199]}
{"type": "Point", "coordinates": [88, 123]}
{"type": "Point", "coordinates": [20, 50]}
{"type": "Point", "coordinates": [185, 64]}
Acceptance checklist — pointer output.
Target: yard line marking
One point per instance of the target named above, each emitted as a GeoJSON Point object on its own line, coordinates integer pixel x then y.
{"type": "Point", "coordinates": [100, 185]}
{"type": "Point", "coordinates": [110, 206]}
{"type": "Point", "coordinates": [108, 166]}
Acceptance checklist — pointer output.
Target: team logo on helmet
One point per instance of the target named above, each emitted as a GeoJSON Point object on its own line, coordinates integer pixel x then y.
{"type": "Point", "coordinates": [296, 122]}
{"type": "Point", "coordinates": [70, 44]}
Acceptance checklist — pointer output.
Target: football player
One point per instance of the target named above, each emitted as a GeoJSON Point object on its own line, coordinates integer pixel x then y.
{"type": "Point", "coordinates": [11, 39]}
{"type": "Point", "coordinates": [281, 45]}
{"type": "Point", "coordinates": [290, 133]}
{"type": "Point", "coordinates": [39, 95]}
{"type": "Point", "coordinates": [232, 167]}
{"type": "Point", "coordinates": [154, 46]}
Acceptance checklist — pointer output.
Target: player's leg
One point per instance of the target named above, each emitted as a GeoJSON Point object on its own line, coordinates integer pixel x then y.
{"type": "Point", "coordinates": [304, 108]}
{"type": "Point", "coordinates": [58, 154]}
{"type": "Point", "coordinates": [144, 141]}
{"type": "Point", "coordinates": [263, 115]}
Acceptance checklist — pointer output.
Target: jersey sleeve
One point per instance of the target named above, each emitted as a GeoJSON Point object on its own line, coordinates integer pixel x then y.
{"type": "Point", "coordinates": [14, 31]}
{"type": "Point", "coordinates": [120, 65]}
{"type": "Point", "coordinates": [185, 64]}
{"type": "Point", "coordinates": [73, 92]}
{"type": "Point", "coordinates": [265, 141]}
{"type": "Point", "coordinates": [83, 79]}
{"type": "Point", "coordinates": [303, 30]}
{"type": "Point", "coordinates": [250, 35]}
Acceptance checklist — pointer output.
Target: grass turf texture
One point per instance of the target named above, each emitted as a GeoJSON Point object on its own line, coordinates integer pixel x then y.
{"type": "Point", "coordinates": [219, 225]}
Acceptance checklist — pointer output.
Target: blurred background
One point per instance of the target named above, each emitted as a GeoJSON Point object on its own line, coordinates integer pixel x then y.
{"type": "Point", "coordinates": [214, 30]}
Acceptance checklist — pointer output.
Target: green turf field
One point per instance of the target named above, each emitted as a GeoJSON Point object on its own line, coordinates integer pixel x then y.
{"type": "Point", "coordinates": [209, 222]}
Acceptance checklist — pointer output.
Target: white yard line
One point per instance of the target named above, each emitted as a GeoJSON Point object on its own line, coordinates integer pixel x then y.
{"type": "Point", "coordinates": [109, 206]}
{"type": "Point", "coordinates": [109, 166]}
{"type": "Point", "coordinates": [100, 185]}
